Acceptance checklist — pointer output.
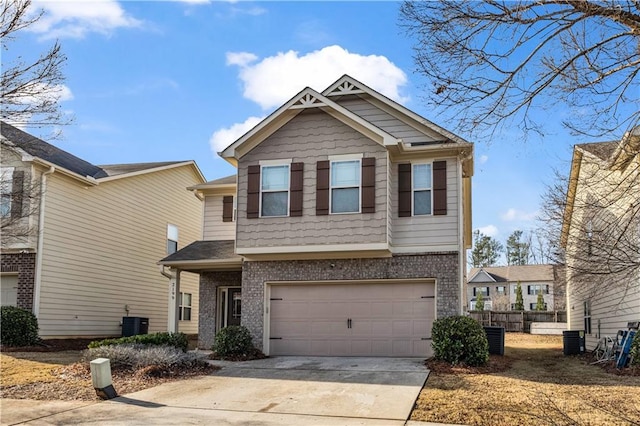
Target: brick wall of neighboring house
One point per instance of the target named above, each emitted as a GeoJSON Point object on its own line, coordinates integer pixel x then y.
{"type": "Point", "coordinates": [209, 283]}
{"type": "Point", "coordinates": [25, 265]}
{"type": "Point", "coordinates": [443, 267]}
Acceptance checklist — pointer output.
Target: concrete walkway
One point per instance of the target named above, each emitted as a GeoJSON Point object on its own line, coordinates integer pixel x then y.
{"type": "Point", "coordinates": [273, 391]}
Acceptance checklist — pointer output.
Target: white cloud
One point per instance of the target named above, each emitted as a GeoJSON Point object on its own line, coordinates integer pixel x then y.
{"type": "Point", "coordinates": [490, 230]}
{"type": "Point", "coordinates": [274, 79]}
{"type": "Point", "coordinates": [483, 159]}
{"type": "Point", "coordinates": [512, 215]}
{"type": "Point", "coordinates": [222, 138]}
{"type": "Point", "coordinates": [77, 18]}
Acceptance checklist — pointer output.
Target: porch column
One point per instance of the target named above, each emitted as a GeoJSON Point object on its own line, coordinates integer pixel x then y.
{"type": "Point", "coordinates": [174, 303]}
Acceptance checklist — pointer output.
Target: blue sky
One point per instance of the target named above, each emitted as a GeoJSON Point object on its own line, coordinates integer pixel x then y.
{"type": "Point", "coordinates": [158, 81]}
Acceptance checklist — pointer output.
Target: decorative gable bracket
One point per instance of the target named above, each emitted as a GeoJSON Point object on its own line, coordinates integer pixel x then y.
{"type": "Point", "coordinates": [345, 88]}
{"type": "Point", "coordinates": [308, 101]}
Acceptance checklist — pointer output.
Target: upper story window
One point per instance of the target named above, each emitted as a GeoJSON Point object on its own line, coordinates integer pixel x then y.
{"type": "Point", "coordinates": [501, 290]}
{"type": "Point", "coordinates": [483, 290]}
{"type": "Point", "coordinates": [172, 239]}
{"type": "Point", "coordinates": [345, 186]}
{"type": "Point", "coordinates": [537, 288]}
{"type": "Point", "coordinates": [421, 188]}
{"type": "Point", "coordinates": [274, 190]}
{"type": "Point", "coordinates": [6, 188]}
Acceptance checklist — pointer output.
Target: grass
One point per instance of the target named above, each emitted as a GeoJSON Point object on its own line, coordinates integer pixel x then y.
{"type": "Point", "coordinates": [533, 384]}
{"type": "Point", "coordinates": [19, 368]}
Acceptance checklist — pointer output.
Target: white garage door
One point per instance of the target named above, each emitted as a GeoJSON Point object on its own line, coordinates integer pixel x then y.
{"type": "Point", "coordinates": [391, 319]}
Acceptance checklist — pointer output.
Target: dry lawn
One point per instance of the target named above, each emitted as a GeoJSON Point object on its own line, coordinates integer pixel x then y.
{"type": "Point", "coordinates": [533, 384]}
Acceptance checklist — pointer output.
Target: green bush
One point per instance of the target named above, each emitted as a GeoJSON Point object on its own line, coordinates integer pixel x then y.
{"type": "Point", "coordinates": [635, 350]}
{"type": "Point", "coordinates": [460, 339]}
{"type": "Point", "coordinates": [233, 341]}
{"type": "Point", "coordinates": [177, 340]}
{"type": "Point", "coordinates": [19, 327]}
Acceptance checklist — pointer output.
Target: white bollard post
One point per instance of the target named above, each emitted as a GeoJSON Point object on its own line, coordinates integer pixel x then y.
{"type": "Point", "coordinates": [101, 378]}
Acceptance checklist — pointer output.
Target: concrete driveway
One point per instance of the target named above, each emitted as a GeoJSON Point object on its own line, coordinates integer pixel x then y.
{"type": "Point", "coordinates": [273, 391]}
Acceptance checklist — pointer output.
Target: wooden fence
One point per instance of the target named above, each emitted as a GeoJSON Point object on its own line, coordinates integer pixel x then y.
{"type": "Point", "coordinates": [517, 320]}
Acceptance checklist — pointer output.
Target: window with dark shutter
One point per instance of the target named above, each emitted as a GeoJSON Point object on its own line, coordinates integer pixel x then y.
{"type": "Point", "coordinates": [253, 192]}
{"type": "Point", "coordinates": [17, 189]}
{"type": "Point", "coordinates": [368, 185]}
{"type": "Point", "coordinates": [322, 188]}
{"type": "Point", "coordinates": [404, 190]}
{"type": "Point", "coordinates": [439, 187]}
{"type": "Point", "coordinates": [227, 208]}
{"type": "Point", "coordinates": [295, 203]}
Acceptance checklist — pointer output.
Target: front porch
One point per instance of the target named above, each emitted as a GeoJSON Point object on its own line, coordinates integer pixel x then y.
{"type": "Point", "coordinates": [220, 297]}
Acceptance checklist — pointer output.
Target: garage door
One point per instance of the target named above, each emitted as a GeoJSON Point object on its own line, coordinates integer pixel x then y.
{"type": "Point", "coordinates": [356, 319]}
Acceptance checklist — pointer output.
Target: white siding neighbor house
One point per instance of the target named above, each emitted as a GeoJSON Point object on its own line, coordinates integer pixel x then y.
{"type": "Point", "coordinates": [601, 237]}
{"type": "Point", "coordinates": [80, 242]}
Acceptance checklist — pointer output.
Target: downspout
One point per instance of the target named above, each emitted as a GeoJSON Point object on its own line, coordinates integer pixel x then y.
{"type": "Point", "coordinates": [38, 273]}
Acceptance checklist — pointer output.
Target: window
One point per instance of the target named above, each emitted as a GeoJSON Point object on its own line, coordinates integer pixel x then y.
{"type": "Point", "coordinates": [345, 186]}
{"type": "Point", "coordinates": [587, 316]}
{"type": "Point", "coordinates": [534, 289]}
{"type": "Point", "coordinates": [172, 239]}
{"type": "Point", "coordinates": [421, 187]}
{"type": "Point", "coordinates": [533, 306]}
{"type": "Point", "coordinates": [184, 313]}
{"type": "Point", "coordinates": [274, 190]}
{"type": "Point", "coordinates": [501, 290]}
{"type": "Point", "coordinates": [483, 290]}
{"type": "Point", "coordinates": [6, 187]}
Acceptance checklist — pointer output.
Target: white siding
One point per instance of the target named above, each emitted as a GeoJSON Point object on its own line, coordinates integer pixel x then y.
{"type": "Point", "coordinates": [101, 248]}
{"type": "Point", "coordinates": [214, 227]}
{"type": "Point", "coordinates": [430, 233]}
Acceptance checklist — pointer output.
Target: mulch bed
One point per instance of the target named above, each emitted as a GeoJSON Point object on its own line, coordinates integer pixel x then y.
{"type": "Point", "coordinates": [51, 345]}
{"type": "Point", "coordinates": [256, 354]}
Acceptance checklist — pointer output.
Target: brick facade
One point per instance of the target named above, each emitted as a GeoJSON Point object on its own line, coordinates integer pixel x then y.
{"type": "Point", "coordinates": [443, 267]}
{"type": "Point", "coordinates": [25, 265]}
{"type": "Point", "coordinates": [209, 283]}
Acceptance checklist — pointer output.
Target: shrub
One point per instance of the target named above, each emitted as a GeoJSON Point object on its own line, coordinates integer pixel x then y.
{"type": "Point", "coordinates": [460, 339]}
{"type": "Point", "coordinates": [19, 327]}
{"type": "Point", "coordinates": [232, 341]}
{"type": "Point", "coordinates": [635, 350]}
{"type": "Point", "coordinates": [176, 340]}
{"type": "Point", "coordinates": [137, 356]}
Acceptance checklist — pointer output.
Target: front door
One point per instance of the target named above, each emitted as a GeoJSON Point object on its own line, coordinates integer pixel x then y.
{"type": "Point", "coordinates": [229, 306]}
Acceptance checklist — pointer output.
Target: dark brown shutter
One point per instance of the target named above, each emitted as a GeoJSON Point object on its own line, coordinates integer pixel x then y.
{"type": "Point", "coordinates": [404, 190]}
{"type": "Point", "coordinates": [322, 188]}
{"type": "Point", "coordinates": [253, 192]}
{"type": "Point", "coordinates": [439, 187]}
{"type": "Point", "coordinates": [295, 203]}
{"type": "Point", "coordinates": [227, 208]}
{"type": "Point", "coordinates": [369, 185]}
{"type": "Point", "coordinates": [17, 189]}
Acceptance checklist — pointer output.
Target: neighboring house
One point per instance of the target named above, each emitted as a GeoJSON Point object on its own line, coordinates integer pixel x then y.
{"type": "Point", "coordinates": [601, 237]}
{"type": "Point", "coordinates": [80, 242]}
{"type": "Point", "coordinates": [498, 286]}
{"type": "Point", "coordinates": [344, 232]}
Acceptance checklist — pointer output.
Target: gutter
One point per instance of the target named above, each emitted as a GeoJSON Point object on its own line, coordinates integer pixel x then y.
{"type": "Point", "coordinates": [38, 272]}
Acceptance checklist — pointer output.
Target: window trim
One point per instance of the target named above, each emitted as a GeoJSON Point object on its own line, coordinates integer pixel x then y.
{"type": "Point", "coordinates": [6, 189]}
{"type": "Point", "coordinates": [275, 163]}
{"type": "Point", "coordinates": [344, 159]}
{"type": "Point", "coordinates": [169, 239]}
{"type": "Point", "coordinates": [182, 306]}
{"type": "Point", "coordinates": [413, 190]}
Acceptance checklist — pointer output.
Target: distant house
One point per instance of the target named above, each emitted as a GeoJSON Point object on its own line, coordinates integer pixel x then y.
{"type": "Point", "coordinates": [498, 286]}
{"type": "Point", "coordinates": [601, 237]}
{"type": "Point", "coordinates": [344, 232]}
{"type": "Point", "coordinates": [80, 242]}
